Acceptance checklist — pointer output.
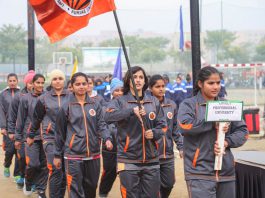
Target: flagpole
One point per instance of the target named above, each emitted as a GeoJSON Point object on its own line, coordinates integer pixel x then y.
{"type": "Point", "coordinates": [195, 39]}
{"type": "Point", "coordinates": [31, 38]}
{"type": "Point", "coordinates": [130, 71]}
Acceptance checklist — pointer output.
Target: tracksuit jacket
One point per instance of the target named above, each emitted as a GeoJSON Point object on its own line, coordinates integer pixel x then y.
{"type": "Point", "coordinates": [13, 110]}
{"type": "Point", "coordinates": [132, 145]}
{"type": "Point", "coordinates": [172, 133]}
{"type": "Point", "coordinates": [199, 140]}
{"type": "Point", "coordinates": [45, 114]}
{"type": "Point", "coordinates": [25, 117]}
{"type": "Point", "coordinates": [6, 97]}
{"type": "Point", "coordinates": [79, 129]}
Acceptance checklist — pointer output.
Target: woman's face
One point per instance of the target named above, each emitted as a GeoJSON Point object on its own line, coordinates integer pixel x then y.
{"type": "Point", "coordinates": [29, 86]}
{"type": "Point", "coordinates": [117, 92]}
{"type": "Point", "coordinates": [12, 82]}
{"type": "Point", "coordinates": [210, 87]}
{"type": "Point", "coordinates": [90, 85]}
{"type": "Point", "coordinates": [57, 83]}
{"type": "Point", "coordinates": [38, 85]}
{"type": "Point", "coordinates": [80, 86]}
{"type": "Point", "coordinates": [158, 89]}
{"type": "Point", "coordinates": [69, 87]}
{"type": "Point", "coordinates": [139, 80]}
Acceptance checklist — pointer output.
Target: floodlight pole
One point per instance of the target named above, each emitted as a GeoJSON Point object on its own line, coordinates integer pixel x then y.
{"type": "Point", "coordinates": [195, 39]}
{"type": "Point", "coordinates": [31, 38]}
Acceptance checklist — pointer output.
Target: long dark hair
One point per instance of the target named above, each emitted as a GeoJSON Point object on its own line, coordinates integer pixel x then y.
{"type": "Point", "coordinates": [74, 77]}
{"type": "Point", "coordinates": [37, 76]}
{"type": "Point", "coordinates": [203, 75]}
{"type": "Point", "coordinates": [154, 79]}
{"type": "Point", "coordinates": [127, 79]}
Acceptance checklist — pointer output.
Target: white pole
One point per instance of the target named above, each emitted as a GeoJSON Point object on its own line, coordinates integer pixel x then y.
{"type": "Point", "coordinates": [255, 86]}
{"type": "Point", "coordinates": [220, 139]}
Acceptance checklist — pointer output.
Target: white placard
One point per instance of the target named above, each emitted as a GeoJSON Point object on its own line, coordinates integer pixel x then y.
{"type": "Point", "coordinates": [224, 111]}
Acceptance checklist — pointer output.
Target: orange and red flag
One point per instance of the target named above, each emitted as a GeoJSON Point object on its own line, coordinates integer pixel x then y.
{"type": "Point", "coordinates": [61, 18]}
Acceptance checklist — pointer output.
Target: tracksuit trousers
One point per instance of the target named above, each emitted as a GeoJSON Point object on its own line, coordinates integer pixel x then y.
{"type": "Point", "coordinates": [36, 170]}
{"type": "Point", "coordinates": [10, 151]}
{"type": "Point", "coordinates": [167, 176]}
{"type": "Point", "coordinates": [144, 183]}
{"type": "Point", "coordinates": [56, 179]}
{"type": "Point", "coordinates": [109, 173]}
{"type": "Point", "coordinates": [211, 189]}
{"type": "Point", "coordinates": [82, 177]}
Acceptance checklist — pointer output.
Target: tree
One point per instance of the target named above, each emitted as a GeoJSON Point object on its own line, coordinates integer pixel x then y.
{"type": "Point", "coordinates": [260, 51]}
{"type": "Point", "coordinates": [13, 43]}
{"type": "Point", "coordinates": [142, 50]}
{"type": "Point", "coordinates": [219, 41]}
{"type": "Point", "coordinates": [239, 54]}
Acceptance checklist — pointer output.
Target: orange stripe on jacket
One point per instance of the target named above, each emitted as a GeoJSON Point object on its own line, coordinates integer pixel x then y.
{"type": "Point", "coordinates": [27, 160]}
{"type": "Point", "coordinates": [49, 166]}
{"type": "Point", "coordinates": [69, 181]}
{"type": "Point", "coordinates": [123, 192]}
{"type": "Point", "coordinates": [71, 142]}
{"type": "Point", "coordinates": [127, 144]}
{"type": "Point", "coordinates": [185, 126]}
{"type": "Point", "coordinates": [195, 157]}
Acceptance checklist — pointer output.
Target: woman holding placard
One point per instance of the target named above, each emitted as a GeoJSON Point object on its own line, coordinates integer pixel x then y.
{"type": "Point", "coordinates": [200, 141]}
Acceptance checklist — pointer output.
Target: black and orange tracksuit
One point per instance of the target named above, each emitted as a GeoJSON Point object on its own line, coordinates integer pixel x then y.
{"type": "Point", "coordinates": [6, 97]}
{"type": "Point", "coordinates": [11, 125]}
{"type": "Point", "coordinates": [44, 116]}
{"type": "Point", "coordinates": [166, 146]}
{"type": "Point", "coordinates": [79, 130]}
{"type": "Point", "coordinates": [198, 146]}
{"type": "Point", "coordinates": [36, 170]}
{"type": "Point", "coordinates": [138, 158]}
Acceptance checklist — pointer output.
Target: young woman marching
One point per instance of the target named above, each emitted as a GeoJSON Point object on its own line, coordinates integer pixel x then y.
{"type": "Point", "coordinates": [79, 129]}
{"type": "Point", "coordinates": [45, 115]}
{"type": "Point", "coordinates": [11, 122]}
{"type": "Point", "coordinates": [8, 145]}
{"type": "Point", "coordinates": [36, 170]}
{"type": "Point", "coordinates": [93, 94]}
{"type": "Point", "coordinates": [167, 169]}
{"type": "Point", "coordinates": [137, 156]}
{"type": "Point", "coordinates": [109, 172]}
{"type": "Point", "coordinates": [200, 145]}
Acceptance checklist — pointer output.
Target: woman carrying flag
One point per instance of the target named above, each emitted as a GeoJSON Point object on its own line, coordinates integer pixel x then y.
{"type": "Point", "coordinates": [137, 155]}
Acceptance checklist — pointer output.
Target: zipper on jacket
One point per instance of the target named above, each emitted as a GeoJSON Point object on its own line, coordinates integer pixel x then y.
{"type": "Point", "coordinates": [143, 139]}
{"type": "Point", "coordinates": [59, 100]}
{"type": "Point", "coordinates": [87, 140]}
{"type": "Point", "coordinates": [164, 147]}
{"type": "Point", "coordinates": [48, 127]}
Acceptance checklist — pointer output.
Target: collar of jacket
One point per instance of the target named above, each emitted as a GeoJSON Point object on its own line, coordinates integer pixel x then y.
{"type": "Point", "coordinates": [130, 98]}
{"type": "Point", "coordinates": [201, 101]}
{"type": "Point", "coordinates": [8, 88]}
{"type": "Point", "coordinates": [73, 99]}
{"type": "Point", "coordinates": [53, 93]}
{"type": "Point", "coordinates": [165, 102]}
{"type": "Point", "coordinates": [36, 95]}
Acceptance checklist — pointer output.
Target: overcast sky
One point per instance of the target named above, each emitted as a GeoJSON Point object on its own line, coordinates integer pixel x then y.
{"type": "Point", "coordinates": [161, 16]}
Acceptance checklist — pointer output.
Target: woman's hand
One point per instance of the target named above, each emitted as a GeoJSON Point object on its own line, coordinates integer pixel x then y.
{"type": "Point", "coordinates": [139, 112]}
{"type": "Point", "coordinates": [226, 127]}
{"type": "Point", "coordinates": [149, 134]}
{"type": "Point", "coordinates": [57, 163]}
{"type": "Point", "coordinates": [217, 148]}
{"type": "Point", "coordinates": [109, 145]}
{"type": "Point", "coordinates": [18, 145]}
{"type": "Point", "coordinates": [30, 141]}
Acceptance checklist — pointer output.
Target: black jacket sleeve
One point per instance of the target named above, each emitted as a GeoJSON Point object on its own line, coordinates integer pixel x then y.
{"type": "Point", "coordinates": [12, 114]}
{"type": "Point", "coordinates": [237, 135]}
{"type": "Point", "coordinates": [115, 112]}
{"type": "Point", "coordinates": [2, 113]}
{"type": "Point", "coordinates": [60, 132]}
{"type": "Point", "coordinates": [38, 115]}
{"type": "Point", "coordinates": [21, 118]}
